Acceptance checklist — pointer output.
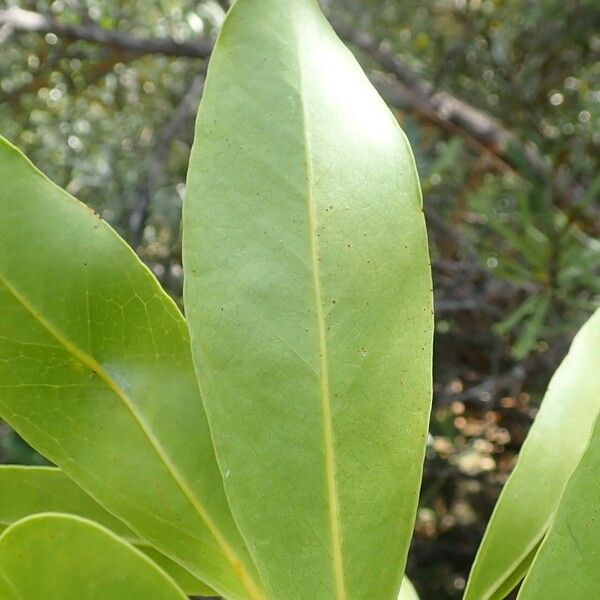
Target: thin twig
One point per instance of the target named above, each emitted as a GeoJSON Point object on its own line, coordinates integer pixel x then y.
{"type": "Point", "coordinates": [158, 157]}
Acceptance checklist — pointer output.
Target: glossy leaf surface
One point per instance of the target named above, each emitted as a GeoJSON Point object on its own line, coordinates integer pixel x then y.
{"type": "Point", "coordinates": [551, 451]}
{"type": "Point", "coordinates": [25, 491]}
{"type": "Point", "coordinates": [308, 298]}
{"type": "Point", "coordinates": [63, 557]}
{"type": "Point", "coordinates": [96, 374]}
{"type": "Point", "coordinates": [567, 564]}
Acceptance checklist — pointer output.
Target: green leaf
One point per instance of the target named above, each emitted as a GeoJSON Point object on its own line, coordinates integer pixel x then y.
{"type": "Point", "coordinates": [308, 297]}
{"type": "Point", "coordinates": [96, 374]}
{"type": "Point", "coordinates": [566, 565]}
{"type": "Point", "coordinates": [63, 557]}
{"type": "Point", "coordinates": [529, 336]}
{"type": "Point", "coordinates": [551, 451]}
{"type": "Point", "coordinates": [516, 316]}
{"type": "Point", "coordinates": [407, 590]}
{"type": "Point", "coordinates": [29, 490]}
{"type": "Point", "coordinates": [590, 195]}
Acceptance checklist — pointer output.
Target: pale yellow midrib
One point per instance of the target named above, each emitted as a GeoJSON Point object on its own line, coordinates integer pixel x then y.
{"type": "Point", "coordinates": [330, 462]}
{"type": "Point", "coordinates": [94, 366]}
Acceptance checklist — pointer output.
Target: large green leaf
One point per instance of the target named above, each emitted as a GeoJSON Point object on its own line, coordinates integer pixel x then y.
{"type": "Point", "coordinates": [96, 374]}
{"type": "Point", "coordinates": [26, 491]}
{"type": "Point", "coordinates": [567, 564]}
{"type": "Point", "coordinates": [63, 557]}
{"type": "Point", "coordinates": [308, 298]}
{"type": "Point", "coordinates": [553, 447]}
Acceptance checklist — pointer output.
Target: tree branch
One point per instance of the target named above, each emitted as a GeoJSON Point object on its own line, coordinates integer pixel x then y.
{"type": "Point", "coordinates": [29, 21]}
{"type": "Point", "coordinates": [158, 157]}
{"type": "Point", "coordinates": [407, 90]}
{"type": "Point", "coordinates": [413, 93]}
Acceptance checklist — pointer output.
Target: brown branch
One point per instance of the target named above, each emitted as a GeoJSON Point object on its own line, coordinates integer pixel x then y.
{"type": "Point", "coordinates": [407, 90]}
{"type": "Point", "coordinates": [413, 93]}
{"type": "Point", "coordinates": [158, 158]}
{"type": "Point", "coordinates": [29, 21]}
{"type": "Point", "coordinates": [401, 97]}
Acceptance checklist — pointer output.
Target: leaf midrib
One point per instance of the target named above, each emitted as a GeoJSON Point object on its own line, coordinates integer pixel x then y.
{"type": "Point", "coordinates": [325, 393]}
{"type": "Point", "coordinates": [91, 363]}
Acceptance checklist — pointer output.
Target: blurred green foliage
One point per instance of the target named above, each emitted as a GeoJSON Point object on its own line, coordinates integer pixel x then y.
{"type": "Point", "coordinates": [515, 249]}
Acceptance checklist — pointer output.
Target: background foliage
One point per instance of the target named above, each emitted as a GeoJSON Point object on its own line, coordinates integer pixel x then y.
{"type": "Point", "coordinates": [501, 101]}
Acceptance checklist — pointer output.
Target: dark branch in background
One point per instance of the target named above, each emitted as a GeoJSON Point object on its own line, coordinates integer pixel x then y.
{"type": "Point", "coordinates": [407, 90]}
{"type": "Point", "coordinates": [510, 383]}
{"type": "Point", "coordinates": [158, 158]}
{"type": "Point", "coordinates": [398, 83]}
{"type": "Point", "coordinates": [416, 94]}
{"type": "Point", "coordinates": [410, 92]}
{"type": "Point", "coordinates": [224, 4]}
{"type": "Point", "coordinates": [28, 21]}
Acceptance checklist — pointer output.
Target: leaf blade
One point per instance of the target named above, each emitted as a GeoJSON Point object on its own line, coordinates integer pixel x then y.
{"type": "Point", "coordinates": [30, 490]}
{"type": "Point", "coordinates": [551, 451]}
{"type": "Point", "coordinates": [269, 293]}
{"type": "Point", "coordinates": [96, 373]}
{"type": "Point", "coordinates": [62, 557]}
{"type": "Point", "coordinates": [566, 565]}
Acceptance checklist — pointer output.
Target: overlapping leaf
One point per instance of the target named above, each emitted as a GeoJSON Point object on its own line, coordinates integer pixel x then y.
{"type": "Point", "coordinates": [25, 491]}
{"type": "Point", "coordinates": [63, 557]}
{"type": "Point", "coordinates": [96, 374]}
{"type": "Point", "coordinates": [553, 447]}
{"type": "Point", "coordinates": [567, 563]}
{"type": "Point", "coordinates": [308, 297]}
